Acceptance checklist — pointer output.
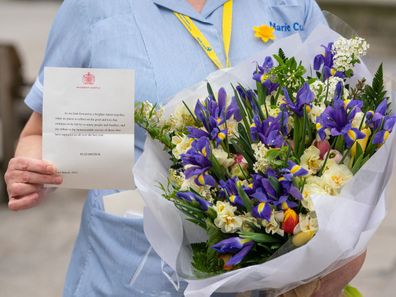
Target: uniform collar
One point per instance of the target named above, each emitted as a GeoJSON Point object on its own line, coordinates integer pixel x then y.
{"type": "Point", "coordinates": [183, 7]}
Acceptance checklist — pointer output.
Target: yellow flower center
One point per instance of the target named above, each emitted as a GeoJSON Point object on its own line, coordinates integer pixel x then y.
{"type": "Point", "coordinates": [352, 135]}
{"type": "Point", "coordinates": [337, 180]}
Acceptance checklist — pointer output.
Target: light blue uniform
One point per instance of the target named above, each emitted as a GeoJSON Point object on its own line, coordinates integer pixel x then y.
{"type": "Point", "coordinates": [111, 256]}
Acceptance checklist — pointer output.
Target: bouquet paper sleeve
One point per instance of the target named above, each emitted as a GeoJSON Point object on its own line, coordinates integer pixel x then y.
{"type": "Point", "coordinates": [346, 222]}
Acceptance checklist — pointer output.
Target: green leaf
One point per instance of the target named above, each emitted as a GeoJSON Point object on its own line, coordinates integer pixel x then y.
{"type": "Point", "coordinates": [374, 94]}
{"type": "Point", "coordinates": [260, 237]}
{"type": "Point", "coordinates": [245, 199]}
{"type": "Point", "coordinates": [210, 90]}
{"type": "Point", "coordinates": [350, 291]}
{"type": "Point", "coordinates": [204, 264]}
{"type": "Point", "coordinates": [274, 183]}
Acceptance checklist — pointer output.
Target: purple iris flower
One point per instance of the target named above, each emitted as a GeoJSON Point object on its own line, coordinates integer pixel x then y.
{"type": "Point", "coordinates": [238, 257]}
{"type": "Point", "coordinates": [248, 96]}
{"type": "Point", "coordinates": [197, 157]}
{"type": "Point", "coordinates": [374, 119]}
{"type": "Point", "coordinates": [296, 169]}
{"type": "Point", "coordinates": [338, 120]}
{"type": "Point", "coordinates": [190, 197]}
{"type": "Point", "coordinates": [231, 189]}
{"type": "Point", "coordinates": [381, 136]}
{"type": "Point", "coordinates": [230, 245]}
{"type": "Point", "coordinates": [379, 121]}
{"type": "Point", "coordinates": [212, 114]}
{"type": "Point", "coordinates": [234, 245]}
{"type": "Point", "coordinates": [269, 131]}
{"type": "Point", "coordinates": [304, 98]}
{"type": "Point", "coordinates": [261, 75]}
{"type": "Point", "coordinates": [262, 211]}
{"type": "Point", "coordinates": [327, 60]}
{"type": "Point", "coordinates": [284, 203]}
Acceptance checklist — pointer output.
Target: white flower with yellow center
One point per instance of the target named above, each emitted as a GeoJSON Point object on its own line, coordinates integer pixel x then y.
{"type": "Point", "coordinates": [232, 127]}
{"type": "Point", "coordinates": [260, 153]}
{"type": "Point", "coordinates": [273, 111]}
{"type": "Point", "coordinates": [226, 219]}
{"type": "Point", "coordinates": [182, 145]}
{"type": "Point", "coordinates": [274, 225]}
{"type": "Point", "coordinates": [176, 178]}
{"type": "Point", "coordinates": [310, 190]}
{"type": "Point", "coordinates": [310, 159]}
{"type": "Point", "coordinates": [181, 118]}
{"type": "Point", "coordinates": [222, 156]}
{"type": "Point", "coordinates": [248, 221]}
{"type": "Point", "coordinates": [307, 223]}
{"type": "Point", "coordinates": [357, 120]}
{"type": "Point", "coordinates": [190, 184]}
{"type": "Point", "coordinates": [335, 177]}
{"type": "Point", "coordinates": [316, 111]}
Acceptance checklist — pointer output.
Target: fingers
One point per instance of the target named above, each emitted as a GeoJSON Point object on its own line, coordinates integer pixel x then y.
{"type": "Point", "coordinates": [32, 165]}
{"type": "Point", "coordinates": [21, 189]}
{"type": "Point", "coordinates": [26, 202]}
{"type": "Point", "coordinates": [27, 177]}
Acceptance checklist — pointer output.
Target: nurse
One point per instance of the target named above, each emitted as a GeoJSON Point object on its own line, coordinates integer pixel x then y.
{"type": "Point", "coordinates": [111, 256]}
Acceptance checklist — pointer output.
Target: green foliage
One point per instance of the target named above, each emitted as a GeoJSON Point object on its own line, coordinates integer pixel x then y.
{"type": "Point", "coordinates": [149, 122]}
{"type": "Point", "coordinates": [261, 237]}
{"type": "Point", "coordinates": [350, 291]}
{"type": "Point", "coordinates": [288, 72]}
{"type": "Point", "coordinates": [245, 198]}
{"type": "Point", "coordinates": [204, 264]}
{"type": "Point", "coordinates": [373, 95]}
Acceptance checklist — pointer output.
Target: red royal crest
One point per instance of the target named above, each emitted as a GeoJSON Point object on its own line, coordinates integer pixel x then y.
{"type": "Point", "coordinates": [88, 79]}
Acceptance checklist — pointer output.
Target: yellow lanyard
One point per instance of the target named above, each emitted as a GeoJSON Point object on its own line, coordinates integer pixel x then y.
{"type": "Point", "coordinates": [203, 42]}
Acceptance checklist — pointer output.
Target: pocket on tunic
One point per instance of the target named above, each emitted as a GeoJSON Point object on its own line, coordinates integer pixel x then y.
{"type": "Point", "coordinates": [120, 260]}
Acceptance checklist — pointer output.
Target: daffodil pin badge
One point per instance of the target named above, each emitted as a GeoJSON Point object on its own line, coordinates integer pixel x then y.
{"type": "Point", "coordinates": [265, 32]}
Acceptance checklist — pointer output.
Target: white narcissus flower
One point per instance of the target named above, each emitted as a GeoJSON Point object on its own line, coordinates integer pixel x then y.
{"type": "Point", "coordinates": [311, 189]}
{"type": "Point", "coordinates": [310, 160]}
{"type": "Point", "coordinates": [176, 178]}
{"type": "Point", "coordinates": [190, 184]}
{"type": "Point", "coordinates": [274, 225]}
{"type": "Point", "coordinates": [181, 118]}
{"type": "Point", "coordinates": [272, 111]}
{"type": "Point", "coordinates": [248, 221]}
{"type": "Point", "coordinates": [357, 120]}
{"type": "Point", "coordinates": [307, 223]}
{"type": "Point", "coordinates": [316, 111]}
{"type": "Point", "coordinates": [226, 219]}
{"type": "Point", "coordinates": [335, 177]}
{"type": "Point", "coordinates": [260, 153]}
{"type": "Point", "coordinates": [232, 127]}
{"type": "Point", "coordinates": [182, 145]}
{"type": "Point", "coordinates": [222, 156]}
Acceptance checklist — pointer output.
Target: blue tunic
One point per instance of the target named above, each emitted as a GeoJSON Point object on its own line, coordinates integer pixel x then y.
{"type": "Point", "coordinates": [111, 256]}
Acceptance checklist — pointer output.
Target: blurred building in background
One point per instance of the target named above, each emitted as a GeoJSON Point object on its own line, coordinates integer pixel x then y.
{"type": "Point", "coordinates": [35, 245]}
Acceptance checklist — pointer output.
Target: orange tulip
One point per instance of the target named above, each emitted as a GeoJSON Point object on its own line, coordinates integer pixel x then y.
{"type": "Point", "coordinates": [290, 221]}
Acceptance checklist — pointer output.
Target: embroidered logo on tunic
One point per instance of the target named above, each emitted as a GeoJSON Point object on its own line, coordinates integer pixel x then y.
{"type": "Point", "coordinates": [88, 79]}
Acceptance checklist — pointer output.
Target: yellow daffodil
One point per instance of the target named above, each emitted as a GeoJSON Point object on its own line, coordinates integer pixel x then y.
{"type": "Point", "coordinates": [264, 32]}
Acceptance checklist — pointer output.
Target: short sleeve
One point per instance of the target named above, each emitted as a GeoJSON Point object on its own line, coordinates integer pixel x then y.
{"type": "Point", "coordinates": [313, 17]}
{"type": "Point", "coordinates": [68, 46]}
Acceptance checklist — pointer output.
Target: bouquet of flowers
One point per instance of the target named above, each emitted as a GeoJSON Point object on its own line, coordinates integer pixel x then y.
{"type": "Point", "coordinates": [246, 166]}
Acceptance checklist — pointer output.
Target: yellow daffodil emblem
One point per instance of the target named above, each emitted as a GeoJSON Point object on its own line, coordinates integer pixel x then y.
{"type": "Point", "coordinates": [264, 32]}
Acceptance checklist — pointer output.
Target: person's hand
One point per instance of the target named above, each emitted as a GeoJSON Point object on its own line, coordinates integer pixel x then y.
{"type": "Point", "coordinates": [334, 283]}
{"type": "Point", "coordinates": [25, 178]}
{"type": "Point", "coordinates": [331, 285]}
